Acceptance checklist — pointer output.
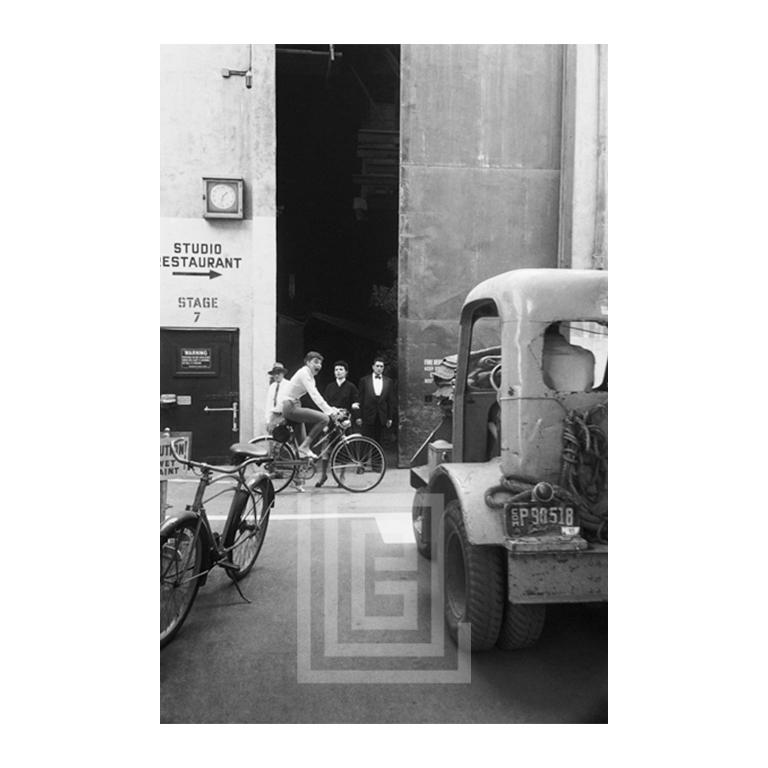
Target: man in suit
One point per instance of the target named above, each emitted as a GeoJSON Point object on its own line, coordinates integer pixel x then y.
{"type": "Point", "coordinates": [273, 410]}
{"type": "Point", "coordinates": [377, 402]}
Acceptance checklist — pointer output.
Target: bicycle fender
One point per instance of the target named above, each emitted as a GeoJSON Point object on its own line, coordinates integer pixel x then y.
{"type": "Point", "coordinates": [259, 477]}
{"type": "Point", "coordinates": [169, 523]}
{"type": "Point", "coordinates": [259, 484]}
{"type": "Point", "coordinates": [189, 516]}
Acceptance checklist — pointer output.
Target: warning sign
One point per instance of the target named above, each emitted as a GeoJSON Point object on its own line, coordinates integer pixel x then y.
{"type": "Point", "coordinates": [169, 467]}
{"type": "Point", "coordinates": [195, 359]}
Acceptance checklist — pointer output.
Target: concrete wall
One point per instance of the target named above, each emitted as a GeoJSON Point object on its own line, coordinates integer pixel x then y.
{"type": "Point", "coordinates": [215, 126]}
{"type": "Point", "coordinates": [583, 201]}
{"type": "Point", "coordinates": [480, 131]}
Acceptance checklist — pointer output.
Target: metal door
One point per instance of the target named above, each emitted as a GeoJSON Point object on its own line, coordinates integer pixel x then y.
{"type": "Point", "coordinates": [199, 390]}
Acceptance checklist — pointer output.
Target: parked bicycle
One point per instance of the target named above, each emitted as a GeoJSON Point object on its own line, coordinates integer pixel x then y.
{"type": "Point", "coordinates": [190, 548]}
{"type": "Point", "coordinates": [357, 463]}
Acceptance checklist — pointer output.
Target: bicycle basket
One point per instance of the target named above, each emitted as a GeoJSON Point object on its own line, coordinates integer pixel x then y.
{"type": "Point", "coordinates": [282, 433]}
{"type": "Point", "coordinates": [343, 420]}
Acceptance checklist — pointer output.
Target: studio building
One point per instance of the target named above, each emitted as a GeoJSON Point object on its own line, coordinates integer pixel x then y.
{"type": "Point", "coordinates": [347, 197]}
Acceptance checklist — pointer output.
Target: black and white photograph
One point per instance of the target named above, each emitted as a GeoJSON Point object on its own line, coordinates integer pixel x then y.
{"type": "Point", "coordinates": [383, 383]}
{"type": "Point", "coordinates": [382, 306]}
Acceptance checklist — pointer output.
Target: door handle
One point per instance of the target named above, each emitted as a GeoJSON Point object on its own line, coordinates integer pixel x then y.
{"type": "Point", "coordinates": [234, 413]}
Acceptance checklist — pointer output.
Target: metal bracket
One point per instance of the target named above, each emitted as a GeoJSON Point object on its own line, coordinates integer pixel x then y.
{"type": "Point", "coordinates": [234, 413]}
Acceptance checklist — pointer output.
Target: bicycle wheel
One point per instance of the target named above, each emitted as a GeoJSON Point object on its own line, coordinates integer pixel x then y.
{"type": "Point", "coordinates": [282, 467]}
{"type": "Point", "coordinates": [181, 557]}
{"type": "Point", "coordinates": [246, 528]}
{"type": "Point", "coordinates": [358, 463]}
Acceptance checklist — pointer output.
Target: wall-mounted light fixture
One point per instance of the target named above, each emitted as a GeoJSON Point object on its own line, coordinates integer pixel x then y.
{"type": "Point", "coordinates": [246, 73]}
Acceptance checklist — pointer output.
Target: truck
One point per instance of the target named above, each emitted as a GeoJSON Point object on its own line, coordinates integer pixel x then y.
{"type": "Point", "coordinates": [511, 486]}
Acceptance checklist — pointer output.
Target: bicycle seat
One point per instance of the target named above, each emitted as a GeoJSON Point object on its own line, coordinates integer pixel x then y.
{"type": "Point", "coordinates": [243, 451]}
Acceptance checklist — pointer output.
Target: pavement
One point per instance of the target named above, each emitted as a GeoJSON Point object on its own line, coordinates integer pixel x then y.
{"type": "Point", "coordinates": [343, 628]}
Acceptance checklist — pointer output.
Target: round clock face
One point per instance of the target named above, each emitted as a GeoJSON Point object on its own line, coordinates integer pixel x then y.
{"type": "Point", "coordinates": [222, 196]}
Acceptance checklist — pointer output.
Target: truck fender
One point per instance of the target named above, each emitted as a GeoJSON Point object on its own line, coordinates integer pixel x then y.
{"type": "Point", "coordinates": [468, 483]}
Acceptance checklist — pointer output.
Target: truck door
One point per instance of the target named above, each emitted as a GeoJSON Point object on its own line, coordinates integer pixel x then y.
{"type": "Point", "coordinates": [477, 428]}
{"type": "Point", "coordinates": [199, 391]}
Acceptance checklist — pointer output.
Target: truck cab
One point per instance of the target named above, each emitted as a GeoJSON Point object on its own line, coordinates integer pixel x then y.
{"type": "Point", "coordinates": [511, 487]}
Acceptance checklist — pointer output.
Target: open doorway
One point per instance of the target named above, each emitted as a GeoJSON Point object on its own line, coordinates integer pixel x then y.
{"type": "Point", "coordinates": [337, 205]}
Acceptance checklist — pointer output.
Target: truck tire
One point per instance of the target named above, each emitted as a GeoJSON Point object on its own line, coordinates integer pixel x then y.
{"type": "Point", "coordinates": [474, 583]}
{"type": "Point", "coordinates": [422, 523]}
{"type": "Point", "coordinates": [521, 626]}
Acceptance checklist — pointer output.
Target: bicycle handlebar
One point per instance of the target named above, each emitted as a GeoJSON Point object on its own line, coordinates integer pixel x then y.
{"type": "Point", "coordinates": [212, 467]}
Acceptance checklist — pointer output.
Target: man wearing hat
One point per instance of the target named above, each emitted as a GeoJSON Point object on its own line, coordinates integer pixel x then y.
{"type": "Point", "coordinates": [273, 412]}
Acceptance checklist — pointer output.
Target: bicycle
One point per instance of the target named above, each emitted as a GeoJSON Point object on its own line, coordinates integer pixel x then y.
{"type": "Point", "coordinates": [357, 463]}
{"type": "Point", "coordinates": [190, 549]}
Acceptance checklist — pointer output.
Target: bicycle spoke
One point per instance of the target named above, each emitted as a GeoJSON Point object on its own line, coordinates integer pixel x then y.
{"type": "Point", "coordinates": [282, 466]}
{"type": "Point", "coordinates": [245, 533]}
{"type": "Point", "coordinates": [179, 577]}
{"type": "Point", "coordinates": [359, 464]}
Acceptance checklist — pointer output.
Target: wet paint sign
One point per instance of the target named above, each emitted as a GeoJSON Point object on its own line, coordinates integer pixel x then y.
{"type": "Point", "coordinates": [169, 467]}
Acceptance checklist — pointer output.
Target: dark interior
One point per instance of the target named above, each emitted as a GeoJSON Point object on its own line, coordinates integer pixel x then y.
{"type": "Point", "coordinates": [337, 198]}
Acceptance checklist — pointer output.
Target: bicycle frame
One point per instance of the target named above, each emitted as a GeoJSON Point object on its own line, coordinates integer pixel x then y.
{"type": "Point", "coordinates": [331, 438]}
{"type": "Point", "coordinates": [190, 548]}
{"type": "Point", "coordinates": [280, 451]}
{"type": "Point", "coordinates": [212, 551]}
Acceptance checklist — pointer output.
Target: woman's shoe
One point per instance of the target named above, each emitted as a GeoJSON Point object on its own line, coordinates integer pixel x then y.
{"type": "Point", "coordinates": [319, 483]}
{"type": "Point", "coordinates": [305, 453]}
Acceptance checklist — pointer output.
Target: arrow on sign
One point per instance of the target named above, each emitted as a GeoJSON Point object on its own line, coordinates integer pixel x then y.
{"type": "Point", "coordinates": [210, 274]}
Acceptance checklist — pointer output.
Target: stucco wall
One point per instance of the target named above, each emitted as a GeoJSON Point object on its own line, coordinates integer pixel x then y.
{"type": "Point", "coordinates": [479, 193]}
{"type": "Point", "coordinates": [583, 192]}
{"type": "Point", "coordinates": [215, 126]}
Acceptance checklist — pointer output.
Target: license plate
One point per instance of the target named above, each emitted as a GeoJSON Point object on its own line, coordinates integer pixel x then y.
{"type": "Point", "coordinates": [528, 519]}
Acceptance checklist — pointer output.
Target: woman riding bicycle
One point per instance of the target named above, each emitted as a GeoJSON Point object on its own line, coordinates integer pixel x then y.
{"type": "Point", "coordinates": [303, 383]}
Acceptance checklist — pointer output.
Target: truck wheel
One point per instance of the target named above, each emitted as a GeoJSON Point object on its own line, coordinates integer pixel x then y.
{"type": "Point", "coordinates": [522, 626]}
{"type": "Point", "coordinates": [474, 583]}
{"type": "Point", "coordinates": [421, 520]}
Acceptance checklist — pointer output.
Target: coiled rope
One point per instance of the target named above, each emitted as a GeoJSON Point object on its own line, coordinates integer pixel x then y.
{"type": "Point", "coordinates": [583, 476]}
{"type": "Point", "coordinates": [584, 469]}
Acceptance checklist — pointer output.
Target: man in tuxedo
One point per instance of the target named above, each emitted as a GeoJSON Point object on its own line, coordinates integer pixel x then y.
{"type": "Point", "coordinates": [377, 402]}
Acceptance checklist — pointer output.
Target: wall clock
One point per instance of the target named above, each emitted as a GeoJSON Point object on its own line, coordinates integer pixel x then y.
{"type": "Point", "coordinates": [223, 198]}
